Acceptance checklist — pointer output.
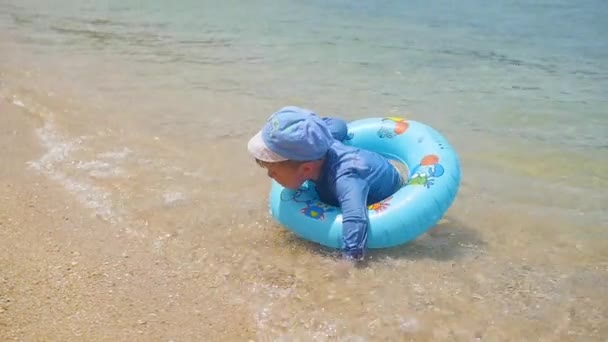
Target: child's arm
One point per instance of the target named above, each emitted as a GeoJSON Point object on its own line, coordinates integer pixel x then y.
{"type": "Point", "coordinates": [337, 127]}
{"type": "Point", "coordinates": [352, 194]}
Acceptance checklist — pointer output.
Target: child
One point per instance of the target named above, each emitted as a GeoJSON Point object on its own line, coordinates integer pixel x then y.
{"type": "Point", "coordinates": [295, 145]}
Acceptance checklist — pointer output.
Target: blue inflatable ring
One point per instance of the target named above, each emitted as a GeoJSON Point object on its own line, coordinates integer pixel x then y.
{"type": "Point", "coordinates": [434, 179]}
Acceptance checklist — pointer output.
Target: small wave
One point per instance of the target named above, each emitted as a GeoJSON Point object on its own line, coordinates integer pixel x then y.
{"type": "Point", "coordinates": [116, 155]}
{"type": "Point", "coordinates": [18, 102]}
{"type": "Point", "coordinates": [92, 165]}
{"type": "Point", "coordinates": [173, 198]}
{"type": "Point", "coordinates": [58, 150]}
{"type": "Point", "coordinates": [498, 58]}
{"type": "Point", "coordinates": [89, 33]}
{"type": "Point", "coordinates": [100, 169]}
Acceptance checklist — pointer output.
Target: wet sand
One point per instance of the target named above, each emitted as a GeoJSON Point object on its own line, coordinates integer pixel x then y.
{"type": "Point", "coordinates": [69, 273]}
{"type": "Point", "coordinates": [68, 276]}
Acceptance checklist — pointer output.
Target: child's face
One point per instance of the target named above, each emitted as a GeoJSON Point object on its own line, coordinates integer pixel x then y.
{"type": "Point", "coordinates": [289, 176]}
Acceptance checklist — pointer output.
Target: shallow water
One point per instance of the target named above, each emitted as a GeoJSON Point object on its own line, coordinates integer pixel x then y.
{"type": "Point", "coordinates": [145, 111]}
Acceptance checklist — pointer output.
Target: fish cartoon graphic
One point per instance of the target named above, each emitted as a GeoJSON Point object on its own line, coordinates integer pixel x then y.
{"type": "Point", "coordinates": [392, 126]}
{"type": "Point", "coordinates": [304, 194]}
{"type": "Point", "coordinates": [316, 210]}
{"type": "Point", "coordinates": [380, 206]}
{"type": "Point", "coordinates": [426, 172]}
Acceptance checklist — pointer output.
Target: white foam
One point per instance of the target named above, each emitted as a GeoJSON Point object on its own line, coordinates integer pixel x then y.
{"type": "Point", "coordinates": [100, 169]}
{"type": "Point", "coordinates": [58, 150]}
{"type": "Point", "coordinates": [263, 316]}
{"type": "Point", "coordinates": [92, 165]}
{"type": "Point", "coordinates": [271, 321]}
{"type": "Point", "coordinates": [172, 198]}
{"type": "Point", "coordinates": [91, 197]}
{"type": "Point", "coordinates": [109, 173]}
{"type": "Point", "coordinates": [18, 103]}
{"type": "Point", "coordinates": [409, 324]}
{"type": "Point", "coordinates": [116, 155]}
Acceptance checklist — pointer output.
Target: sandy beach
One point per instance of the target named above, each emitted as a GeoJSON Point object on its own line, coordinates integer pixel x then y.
{"type": "Point", "coordinates": [68, 276]}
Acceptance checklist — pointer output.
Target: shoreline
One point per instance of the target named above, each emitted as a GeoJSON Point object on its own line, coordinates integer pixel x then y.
{"type": "Point", "coordinates": [67, 275]}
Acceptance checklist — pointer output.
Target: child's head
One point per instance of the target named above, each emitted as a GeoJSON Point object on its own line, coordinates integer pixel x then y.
{"type": "Point", "coordinates": [291, 146]}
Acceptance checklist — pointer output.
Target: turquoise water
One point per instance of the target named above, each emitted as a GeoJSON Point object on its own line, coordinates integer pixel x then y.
{"type": "Point", "coordinates": [154, 104]}
{"type": "Point", "coordinates": [519, 85]}
{"type": "Point", "coordinates": [524, 70]}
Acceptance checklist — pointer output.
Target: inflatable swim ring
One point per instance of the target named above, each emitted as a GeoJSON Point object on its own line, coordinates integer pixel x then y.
{"type": "Point", "coordinates": [434, 179]}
